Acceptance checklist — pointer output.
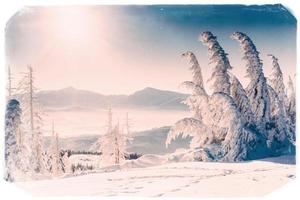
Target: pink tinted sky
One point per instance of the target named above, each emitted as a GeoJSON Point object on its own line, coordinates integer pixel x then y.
{"type": "Point", "coordinates": [111, 50]}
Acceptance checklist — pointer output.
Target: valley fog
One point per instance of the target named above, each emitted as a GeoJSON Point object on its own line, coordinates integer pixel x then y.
{"type": "Point", "coordinates": [77, 122]}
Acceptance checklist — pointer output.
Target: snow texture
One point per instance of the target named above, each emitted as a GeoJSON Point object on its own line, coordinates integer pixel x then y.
{"type": "Point", "coordinates": [154, 178]}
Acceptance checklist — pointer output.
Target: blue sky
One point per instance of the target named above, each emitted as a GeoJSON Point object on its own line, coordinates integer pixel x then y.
{"type": "Point", "coordinates": [120, 49]}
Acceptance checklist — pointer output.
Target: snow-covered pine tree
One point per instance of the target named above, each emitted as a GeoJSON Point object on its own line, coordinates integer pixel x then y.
{"type": "Point", "coordinates": [218, 58]}
{"type": "Point", "coordinates": [276, 80]}
{"type": "Point", "coordinates": [119, 144]}
{"type": "Point", "coordinates": [241, 99]}
{"type": "Point", "coordinates": [291, 105]}
{"type": "Point", "coordinates": [291, 109]}
{"type": "Point", "coordinates": [112, 144]}
{"type": "Point", "coordinates": [57, 164]}
{"type": "Point", "coordinates": [32, 120]}
{"type": "Point", "coordinates": [284, 129]}
{"type": "Point", "coordinates": [16, 165]}
{"type": "Point", "coordinates": [281, 132]}
{"type": "Point", "coordinates": [257, 90]}
{"type": "Point", "coordinates": [198, 100]}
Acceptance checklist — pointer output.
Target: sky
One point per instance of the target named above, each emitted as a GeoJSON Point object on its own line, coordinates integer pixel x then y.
{"type": "Point", "coordinates": [122, 49]}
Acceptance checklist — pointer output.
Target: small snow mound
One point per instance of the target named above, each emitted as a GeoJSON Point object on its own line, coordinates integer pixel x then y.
{"type": "Point", "coordinates": [147, 160]}
{"type": "Point", "coordinates": [189, 155]}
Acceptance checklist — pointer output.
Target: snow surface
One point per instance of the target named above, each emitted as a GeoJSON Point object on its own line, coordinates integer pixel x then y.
{"type": "Point", "coordinates": [155, 176]}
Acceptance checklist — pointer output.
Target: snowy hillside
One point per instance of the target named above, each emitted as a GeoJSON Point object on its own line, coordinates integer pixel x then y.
{"type": "Point", "coordinates": [186, 179]}
{"type": "Point", "coordinates": [148, 97]}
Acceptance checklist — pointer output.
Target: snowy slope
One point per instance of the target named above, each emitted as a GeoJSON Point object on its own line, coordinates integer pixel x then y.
{"type": "Point", "coordinates": [185, 179]}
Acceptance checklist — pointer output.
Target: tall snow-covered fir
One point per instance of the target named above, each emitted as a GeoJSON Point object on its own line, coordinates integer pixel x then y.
{"type": "Point", "coordinates": [16, 156]}
{"type": "Point", "coordinates": [276, 79]}
{"type": "Point", "coordinates": [257, 90]}
{"type": "Point", "coordinates": [112, 143]}
{"type": "Point", "coordinates": [56, 160]}
{"type": "Point", "coordinates": [32, 120]}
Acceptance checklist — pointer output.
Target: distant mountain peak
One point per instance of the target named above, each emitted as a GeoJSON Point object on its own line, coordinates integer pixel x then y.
{"type": "Point", "coordinates": [148, 97]}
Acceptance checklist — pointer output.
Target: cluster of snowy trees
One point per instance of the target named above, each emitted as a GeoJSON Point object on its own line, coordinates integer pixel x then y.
{"type": "Point", "coordinates": [112, 144]}
{"type": "Point", "coordinates": [236, 123]}
{"type": "Point", "coordinates": [25, 156]}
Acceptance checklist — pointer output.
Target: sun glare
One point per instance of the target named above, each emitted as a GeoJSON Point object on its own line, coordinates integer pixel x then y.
{"type": "Point", "coordinates": [73, 23]}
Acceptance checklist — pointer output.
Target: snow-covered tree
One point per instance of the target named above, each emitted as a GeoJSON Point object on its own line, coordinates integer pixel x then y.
{"type": "Point", "coordinates": [276, 80]}
{"type": "Point", "coordinates": [281, 131]}
{"type": "Point", "coordinates": [257, 90]}
{"type": "Point", "coordinates": [235, 140]}
{"type": "Point", "coordinates": [32, 120]}
{"type": "Point", "coordinates": [218, 58]}
{"type": "Point", "coordinates": [16, 166]}
{"type": "Point", "coordinates": [198, 100]}
{"type": "Point", "coordinates": [291, 105]}
{"type": "Point", "coordinates": [291, 109]}
{"type": "Point", "coordinates": [57, 164]}
{"type": "Point", "coordinates": [283, 128]}
{"type": "Point", "coordinates": [241, 99]}
{"type": "Point", "coordinates": [113, 146]}
{"type": "Point", "coordinates": [113, 143]}
{"type": "Point", "coordinates": [119, 144]}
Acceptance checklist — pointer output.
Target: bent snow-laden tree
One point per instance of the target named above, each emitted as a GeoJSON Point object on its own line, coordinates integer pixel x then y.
{"type": "Point", "coordinates": [198, 103]}
{"type": "Point", "coordinates": [276, 80]}
{"type": "Point", "coordinates": [218, 58]}
{"type": "Point", "coordinates": [257, 90]}
{"type": "Point", "coordinates": [16, 165]}
{"type": "Point", "coordinates": [283, 125]}
{"type": "Point", "coordinates": [32, 120]}
{"type": "Point", "coordinates": [266, 102]}
{"type": "Point", "coordinates": [198, 100]}
{"type": "Point", "coordinates": [220, 132]}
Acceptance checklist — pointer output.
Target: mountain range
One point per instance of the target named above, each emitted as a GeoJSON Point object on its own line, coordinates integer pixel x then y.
{"type": "Point", "coordinates": [147, 98]}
